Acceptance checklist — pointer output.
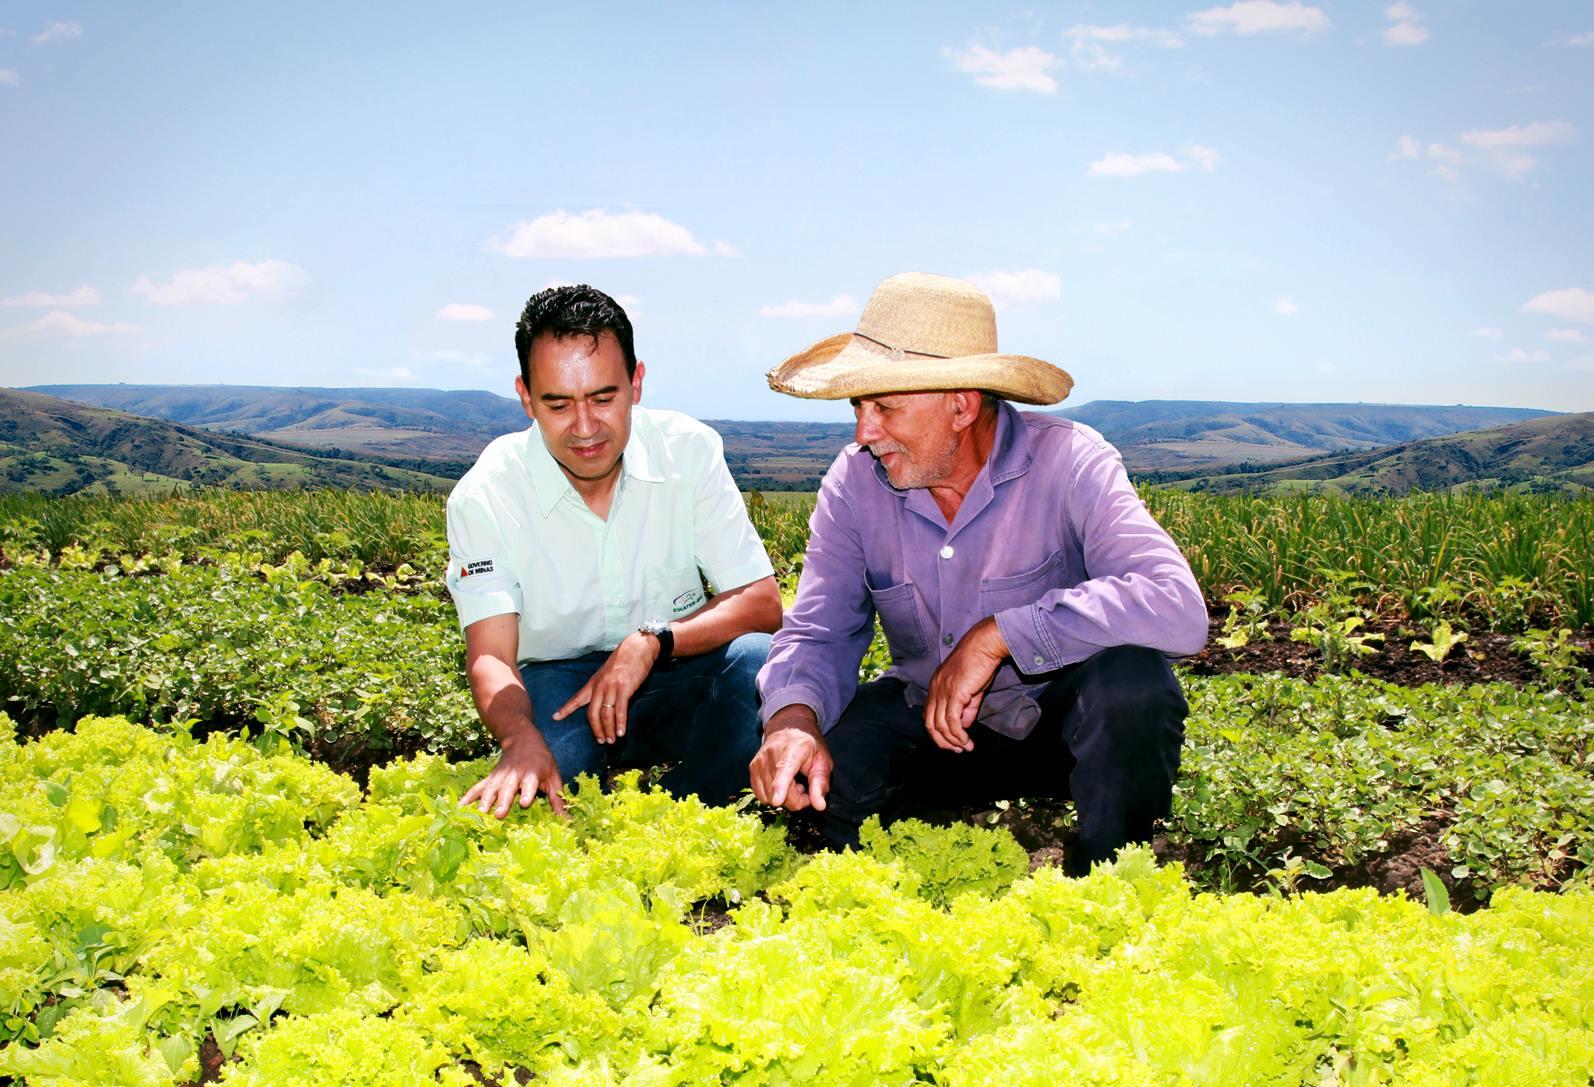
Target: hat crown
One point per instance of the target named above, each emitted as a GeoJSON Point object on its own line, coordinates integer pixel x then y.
{"type": "Point", "coordinates": [930, 315]}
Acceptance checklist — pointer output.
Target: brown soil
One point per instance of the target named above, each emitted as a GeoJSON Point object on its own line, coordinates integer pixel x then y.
{"type": "Point", "coordinates": [1482, 658]}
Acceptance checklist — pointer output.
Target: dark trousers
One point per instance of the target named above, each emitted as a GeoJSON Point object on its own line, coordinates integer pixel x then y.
{"type": "Point", "coordinates": [1108, 738]}
{"type": "Point", "coordinates": [700, 714]}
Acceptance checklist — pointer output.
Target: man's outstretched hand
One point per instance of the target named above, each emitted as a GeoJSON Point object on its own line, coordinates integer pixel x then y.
{"type": "Point", "coordinates": [525, 769]}
{"type": "Point", "coordinates": [793, 746]}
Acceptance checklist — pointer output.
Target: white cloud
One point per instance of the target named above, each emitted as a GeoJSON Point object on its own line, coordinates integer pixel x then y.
{"type": "Point", "coordinates": [724, 248]}
{"type": "Point", "coordinates": [628, 302]}
{"type": "Point", "coordinates": [1446, 160]}
{"type": "Point", "coordinates": [225, 283]}
{"type": "Point", "coordinates": [10, 78]}
{"type": "Point", "coordinates": [464, 311]}
{"type": "Point", "coordinates": [1405, 25]}
{"type": "Point", "coordinates": [1488, 332]}
{"type": "Point", "coordinates": [1258, 17]}
{"type": "Point", "coordinates": [83, 296]}
{"type": "Point", "coordinates": [396, 375]}
{"type": "Point", "coordinates": [1534, 134]}
{"type": "Point", "coordinates": [1122, 164]}
{"type": "Point", "coordinates": [597, 234]}
{"type": "Point", "coordinates": [1088, 44]}
{"type": "Point", "coordinates": [843, 305]}
{"type": "Point", "coordinates": [62, 323]}
{"type": "Point", "coordinates": [1285, 308]}
{"type": "Point", "coordinates": [1019, 287]}
{"type": "Point", "coordinates": [1581, 39]}
{"type": "Point", "coordinates": [1408, 148]}
{"type": "Point", "coordinates": [58, 32]}
{"type": "Point", "coordinates": [1517, 355]}
{"type": "Point", "coordinates": [1571, 304]}
{"type": "Point", "coordinates": [1022, 69]}
{"type": "Point", "coordinates": [1090, 56]}
{"type": "Point", "coordinates": [1122, 33]}
{"type": "Point", "coordinates": [1568, 335]}
{"type": "Point", "coordinates": [1114, 228]}
{"type": "Point", "coordinates": [1505, 147]}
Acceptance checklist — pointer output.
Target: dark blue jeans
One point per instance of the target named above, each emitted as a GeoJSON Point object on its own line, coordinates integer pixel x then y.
{"type": "Point", "coordinates": [701, 714]}
{"type": "Point", "coordinates": [1109, 736]}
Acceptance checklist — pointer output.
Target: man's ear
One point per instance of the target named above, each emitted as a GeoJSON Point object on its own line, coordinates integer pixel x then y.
{"type": "Point", "coordinates": [524, 394]}
{"type": "Point", "coordinates": [965, 408]}
{"type": "Point", "coordinates": [636, 382]}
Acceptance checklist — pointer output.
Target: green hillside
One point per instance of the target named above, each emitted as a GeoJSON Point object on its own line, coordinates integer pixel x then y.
{"type": "Point", "coordinates": [1193, 435]}
{"type": "Point", "coordinates": [59, 447]}
{"type": "Point", "coordinates": [1551, 453]}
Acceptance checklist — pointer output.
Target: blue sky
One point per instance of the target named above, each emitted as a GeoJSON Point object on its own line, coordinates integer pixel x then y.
{"type": "Point", "coordinates": [1251, 201]}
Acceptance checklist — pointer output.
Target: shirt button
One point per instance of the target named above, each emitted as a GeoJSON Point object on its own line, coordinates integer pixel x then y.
{"type": "Point", "coordinates": [1039, 660]}
{"type": "Point", "coordinates": [946, 639]}
{"type": "Point", "coordinates": [946, 552]}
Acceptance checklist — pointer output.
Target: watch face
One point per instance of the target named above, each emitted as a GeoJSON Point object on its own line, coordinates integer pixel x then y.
{"type": "Point", "coordinates": [654, 627]}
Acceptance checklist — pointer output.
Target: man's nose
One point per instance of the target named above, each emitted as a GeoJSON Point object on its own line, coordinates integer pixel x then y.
{"type": "Point", "coordinates": [866, 430]}
{"type": "Point", "coordinates": [586, 421]}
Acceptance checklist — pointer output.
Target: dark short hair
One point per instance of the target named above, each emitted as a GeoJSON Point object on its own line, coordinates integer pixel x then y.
{"type": "Point", "coordinates": [577, 310]}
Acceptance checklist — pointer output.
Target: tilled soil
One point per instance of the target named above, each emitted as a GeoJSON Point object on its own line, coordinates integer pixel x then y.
{"type": "Point", "coordinates": [1482, 658]}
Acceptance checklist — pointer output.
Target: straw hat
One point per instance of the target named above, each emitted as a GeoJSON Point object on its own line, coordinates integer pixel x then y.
{"type": "Point", "coordinates": [919, 332]}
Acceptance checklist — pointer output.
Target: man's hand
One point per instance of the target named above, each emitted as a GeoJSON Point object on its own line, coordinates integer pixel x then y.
{"type": "Point", "coordinates": [792, 745]}
{"type": "Point", "coordinates": [958, 686]}
{"type": "Point", "coordinates": [607, 695]}
{"type": "Point", "coordinates": [526, 768]}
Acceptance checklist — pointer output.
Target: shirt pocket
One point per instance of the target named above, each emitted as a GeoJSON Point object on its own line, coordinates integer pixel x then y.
{"type": "Point", "coordinates": [675, 594]}
{"type": "Point", "coordinates": [998, 594]}
{"type": "Point", "coordinates": [901, 618]}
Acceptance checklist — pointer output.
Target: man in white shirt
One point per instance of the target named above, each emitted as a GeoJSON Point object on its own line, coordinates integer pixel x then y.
{"type": "Point", "coordinates": [577, 553]}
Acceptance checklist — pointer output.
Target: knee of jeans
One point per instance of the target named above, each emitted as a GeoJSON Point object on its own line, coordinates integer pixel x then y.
{"type": "Point", "coordinates": [745, 655]}
{"type": "Point", "coordinates": [576, 754]}
{"type": "Point", "coordinates": [1134, 686]}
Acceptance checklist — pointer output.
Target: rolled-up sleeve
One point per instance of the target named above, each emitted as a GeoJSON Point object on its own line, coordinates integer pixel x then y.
{"type": "Point", "coordinates": [729, 552]}
{"type": "Point", "coordinates": [814, 658]}
{"type": "Point", "coordinates": [1139, 591]}
{"type": "Point", "coordinates": [479, 575]}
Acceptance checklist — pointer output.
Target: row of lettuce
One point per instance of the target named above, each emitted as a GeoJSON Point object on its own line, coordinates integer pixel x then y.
{"type": "Point", "coordinates": [167, 900]}
{"type": "Point", "coordinates": [1283, 779]}
{"type": "Point", "coordinates": [1503, 562]}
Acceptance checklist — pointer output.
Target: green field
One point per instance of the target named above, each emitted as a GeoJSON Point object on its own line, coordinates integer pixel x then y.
{"type": "Point", "coordinates": [229, 843]}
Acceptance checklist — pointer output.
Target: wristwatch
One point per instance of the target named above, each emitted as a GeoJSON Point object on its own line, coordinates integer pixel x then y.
{"type": "Point", "coordinates": [661, 630]}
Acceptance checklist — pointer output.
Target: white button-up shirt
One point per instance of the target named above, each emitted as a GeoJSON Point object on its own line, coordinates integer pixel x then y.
{"type": "Point", "coordinates": [522, 541]}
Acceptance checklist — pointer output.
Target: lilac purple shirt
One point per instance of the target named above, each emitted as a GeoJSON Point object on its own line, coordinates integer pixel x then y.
{"type": "Point", "coordinates": [1051, 539]}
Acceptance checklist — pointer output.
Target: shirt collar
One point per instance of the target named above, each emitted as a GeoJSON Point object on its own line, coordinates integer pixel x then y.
{"type": "Point", "coordinates": [553, 486]}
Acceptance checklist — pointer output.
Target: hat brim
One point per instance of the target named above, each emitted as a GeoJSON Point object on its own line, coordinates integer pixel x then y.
{"type": "Point", "coordinates": [844, 366]}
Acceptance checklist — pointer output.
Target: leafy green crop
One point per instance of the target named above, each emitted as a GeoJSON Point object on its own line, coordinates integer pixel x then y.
{"type": "Point", "coordinates": [358, 947]}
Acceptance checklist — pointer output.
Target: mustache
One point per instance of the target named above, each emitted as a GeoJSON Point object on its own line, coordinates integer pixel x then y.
{"type": "Point", "coordinates": [879, 449]}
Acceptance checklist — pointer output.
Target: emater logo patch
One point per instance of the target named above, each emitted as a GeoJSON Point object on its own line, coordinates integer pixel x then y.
{"type": "Point", "coordinates": [481, 566]}
{"type": "Point", "coordinates": [688, 599]}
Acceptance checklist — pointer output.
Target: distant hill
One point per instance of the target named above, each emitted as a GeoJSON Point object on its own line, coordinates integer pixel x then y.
{"type": "Point", "coordinates": [1554, 453]}
{"type": "Point", "coordinates": [409, 424]}
{"type": "Point", "coordinates": [443, 431]}
{"type": "Point", "coordinates": [1186, 435]}
{"type": "Point", "coordinates": [60, 447]}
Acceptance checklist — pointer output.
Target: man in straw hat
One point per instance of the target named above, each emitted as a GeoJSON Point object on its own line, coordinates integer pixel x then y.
{"type": "Point", "coordinates": [1029, 599]}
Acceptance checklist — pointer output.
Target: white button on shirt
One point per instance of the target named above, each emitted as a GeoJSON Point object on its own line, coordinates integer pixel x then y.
{"type": "Point", "coordinates": [522, 541]}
